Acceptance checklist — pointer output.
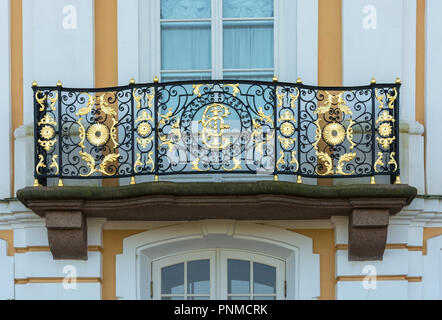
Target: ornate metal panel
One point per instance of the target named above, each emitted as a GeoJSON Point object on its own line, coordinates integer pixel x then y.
{"type": "Point", "coordinates": [216, 127]}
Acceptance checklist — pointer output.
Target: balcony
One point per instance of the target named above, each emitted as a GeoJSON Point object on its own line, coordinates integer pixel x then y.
{"type": "Point", "coordinates": [216, 127]}
{"type": "Point", "coordinates": [252, 130]}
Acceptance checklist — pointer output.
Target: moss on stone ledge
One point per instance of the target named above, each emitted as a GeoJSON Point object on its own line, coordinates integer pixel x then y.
{"type": "Point", "coordinates": [215, 189]}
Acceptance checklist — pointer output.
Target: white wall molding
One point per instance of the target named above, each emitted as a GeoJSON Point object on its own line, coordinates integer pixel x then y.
{"type": "Point", "coordinates": [6, 272]}
{"type": "Point", "coordinates": [5, 99]}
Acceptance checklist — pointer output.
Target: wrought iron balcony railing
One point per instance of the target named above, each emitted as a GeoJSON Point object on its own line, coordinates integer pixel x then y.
{"type": "Point", "coordinates": [204, 127]}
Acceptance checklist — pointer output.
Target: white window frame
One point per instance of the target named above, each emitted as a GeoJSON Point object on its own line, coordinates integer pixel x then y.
{"type": "Point", "coordinates": [218, 270]}
{"type": "Point", "coordinates": [296, 40]}
{"type": "Point", "coordinates": [158, 264]}
{"type": "Point", "coordinates": [217, 30]}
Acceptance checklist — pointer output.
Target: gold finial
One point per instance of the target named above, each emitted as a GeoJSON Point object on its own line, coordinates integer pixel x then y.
{"type": "Point", "coordinates": [373, 81]}
{"type": "Point", "coordinates": [156, 80]}
{"type": "Point", "coordinates": [60, 183]}
{"type": "Point", "coordinates": [398, 80]}
{"type": "Point", "coordinates": [59, 84]}
{"type": "Point", "coordinates": [398, 180]}
{"type": "Point", "coordinates": [299, 179]}
{"type": "Point", "coordinates": [299, 80]}
{"type": "Point", "coordinates": [34, 83]}
{"type": "Point", "coordinates": [372, 180]}
{"type": "Point", "coordinates": [275, 177]}
{"type": "Point", "coordinates": [132, 81]}
{"type": "Point", "coordinates": [156, 178]}
{"type": "Point", "coordinates": [275, 78]}
{"type": "Point", "coordinates": [132, 180]}
{"type": "Point", "coordinates": [36, 183]}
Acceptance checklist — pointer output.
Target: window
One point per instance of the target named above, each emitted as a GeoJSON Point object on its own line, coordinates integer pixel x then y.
{"type": "Point", "coordinates": [218, 274]}
{"type": "Point", "coordinates": [216, 39]}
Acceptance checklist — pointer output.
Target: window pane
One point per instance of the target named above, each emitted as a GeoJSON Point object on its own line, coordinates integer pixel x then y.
{"type": "Point", "coordinates": [172, 279]}
{"type": "Point", "coordinates": [264, 298]}
{"type": "Point", "coordinates": [248, 44]}
{"type": "Point", "coordinates": [199, 298]}
{"type": "Point", "coordinates": [247, 8]}
{"type": "Point", "coordinates": [198, 277]}
{"type": "Point", "coordinates": [249, 75]}
{"type": "Point", "coordinates": [181, 76]}
{"type": "Point", "coordinates": [173, 298]}
{"type": "Point", "coordinates": [264, 278]}
{"type": "Point", "coordinates": [238, 276]}
{"type": "Point", "coordinates": [186, 46]}
{"type": "Point", "coordinates": [238, 298]}
{"type": "Point", "coordinates": [185, 9]}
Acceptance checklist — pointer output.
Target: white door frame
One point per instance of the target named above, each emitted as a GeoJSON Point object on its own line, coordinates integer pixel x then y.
{"type": "Point", "coordinates": [302, 265]}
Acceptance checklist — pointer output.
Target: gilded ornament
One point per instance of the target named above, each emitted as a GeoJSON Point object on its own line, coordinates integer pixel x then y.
{"type": "Point", "coordinates": [82, 134]}
{"type": "Point", "coordinates": [91, 163]}
{"type": "Point", "coordinates": [293, 99]}
{"type": "Point", "coordinates": [392, 98]}
{"type": "Point", "coordinates": [385, 142]}
{"type": "Point", "coordinates": [41, 100]}
{"type": "Point", "coordinates": [236, 165]}
{"type": "Point", "coordinates": [385, 129]}
{"type": "Point", "coordinates": [144, 129]}
{"type": "Point", "coordinates": [287, 129]}
{"type": "Point", "coordinates": [385, 117]}
{"type": "Point", "coordinates": [40, 164]}
{"type": "Point", "coordinates": [196, 88]}
{"type": "Point", "coordinates": [393, 161]}
{"type": "Point", "coordinates": [47, 119]}
{"type": "Point", "coordinates": [213, 126]}
{"type": "Point", "coordinates": [47, 145]}
{"type": "Point", "coordinates": [350, 134]}
{"type": "Point", "coordinates": [328, 163]}
{"type": "Point", "coordinates": [235, 88]}
{"type": "Point", "coordinates": [113, 132]}
{"type": "Point", "coordinates": [334, 133]}
{"type": "Point", "coordinates": [47, 132]}
{"type": "Point", "coordinates": [317, 135]}
{"type": "Point", "coordinates": [104, 106]}
{"type": "Point", "coordinates": [89, 105]}
{"type": "Point", "coordinates": [196, 165]}
{"type": "Point", "coordinates": [137, 163]}
{"type": "Point", "coordinates": [54, 163]}
{"type": "Point", "coordinates": [144, 142]}
{"type": "Point", "coordinates": [345, 158]}
{"type": "Point", "coordinates": [280, 98]}
{"type": "Point", "coordinates": [281, 160]}
{"type": "Point", "coordinates": [286, 142]}
{"type": "Point", "coordinates": [97, 134]}
{"type": "Point", "coordinates": [378, 162]}
{"type": "Point", "coordinates": [294, 161]}
{"type": "Point", "coordinates": [150, 161]}
{"type": "Point", "coordinates": [380, 98]}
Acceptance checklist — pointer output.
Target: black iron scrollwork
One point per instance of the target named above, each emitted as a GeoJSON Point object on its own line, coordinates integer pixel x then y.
{"type": "Point", "coordinates": [216, 127]}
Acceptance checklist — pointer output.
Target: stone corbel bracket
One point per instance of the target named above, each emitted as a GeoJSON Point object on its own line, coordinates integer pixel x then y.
{"type": "Point", "coordinates": [367, 206]}
{"type": "Point", "coordinates": [67, 234]}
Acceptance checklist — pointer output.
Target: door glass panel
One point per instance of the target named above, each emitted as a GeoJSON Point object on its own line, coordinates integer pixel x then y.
{"type": "Point", "coordinates": [238, 276]}
{"type": "Point", "coordinates": [264, 278]}
{"type": "Point", "coordinates": [172, 279]}
{"type": "Point", "coordinates": [198, 277]}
